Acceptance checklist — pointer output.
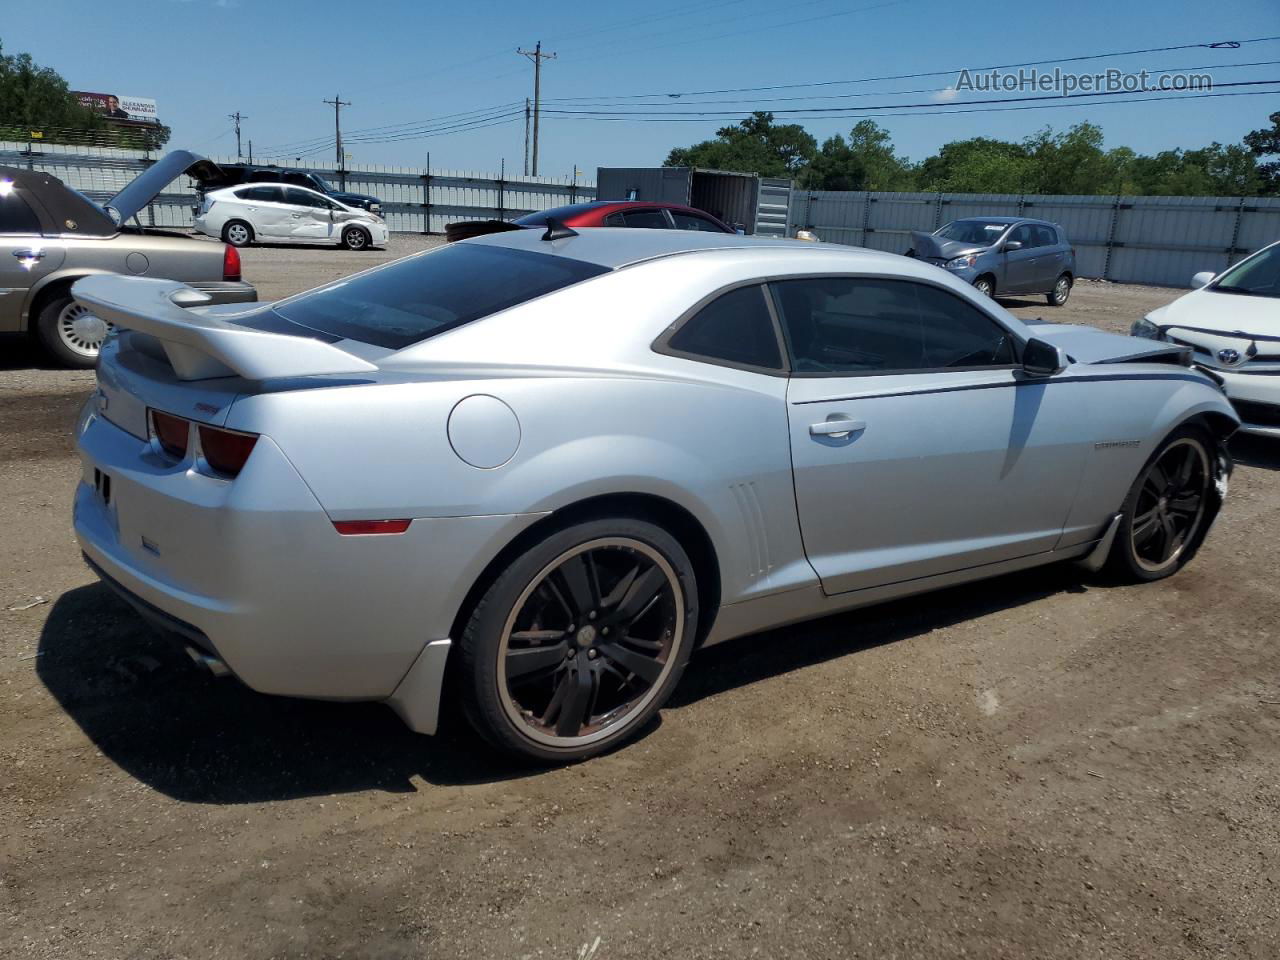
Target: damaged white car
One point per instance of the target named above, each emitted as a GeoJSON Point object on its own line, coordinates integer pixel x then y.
{"type": "Point", "coordinates": [275, 213]}
{"type": "Point", "coordinates": [1232, 324]}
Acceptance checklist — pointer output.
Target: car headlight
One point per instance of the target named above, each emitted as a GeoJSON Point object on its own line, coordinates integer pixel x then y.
{"type": "Point", "coordinates": [1146, 329]}
{"type": "Point", "coordinates": [962, 263]}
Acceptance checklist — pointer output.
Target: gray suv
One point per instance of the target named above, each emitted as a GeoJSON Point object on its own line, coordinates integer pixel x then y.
{"type": "Point", "coordinates": [1003, 255]}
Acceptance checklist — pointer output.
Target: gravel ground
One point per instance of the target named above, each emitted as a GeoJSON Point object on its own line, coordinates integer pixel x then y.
{"type": "Point", "coordinates": [1038, 765]}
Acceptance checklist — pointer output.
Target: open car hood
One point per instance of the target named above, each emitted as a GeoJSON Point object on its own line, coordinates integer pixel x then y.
{"type": "Point", "coordinates": [148, 185]}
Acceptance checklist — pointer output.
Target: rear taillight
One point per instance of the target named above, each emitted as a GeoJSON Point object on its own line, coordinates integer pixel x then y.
{"type": "Point", "coordinates": [230, 262]}
{"type": "Point", "coordinates": [225, 450]}
{"type": "Point", "coordinates": [171, 433]}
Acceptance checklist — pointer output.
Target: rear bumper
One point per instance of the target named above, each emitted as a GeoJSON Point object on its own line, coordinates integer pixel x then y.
{"type": "Point", "coordinates": [253, 571]}
{"type": "Point", "coordinates": [226, 291]}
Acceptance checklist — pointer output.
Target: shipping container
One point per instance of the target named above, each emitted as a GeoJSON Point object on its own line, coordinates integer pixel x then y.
{"type": "Point", "coordinates": [753, 204]}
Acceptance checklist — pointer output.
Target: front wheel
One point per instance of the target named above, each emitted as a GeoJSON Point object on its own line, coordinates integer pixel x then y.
{"type": "Point", "coordinates": [579, 642]}
{"type": "Point", "coordinates": [355, 238]}
{"type": "Point", "coordinates": [1169, 508]}
{"type": "Point", "coordinates": [985, 286]}
{"type": "Point", "coordinates": [70, 333]}
{"type": "Point", "coordinates": [1061, 291]}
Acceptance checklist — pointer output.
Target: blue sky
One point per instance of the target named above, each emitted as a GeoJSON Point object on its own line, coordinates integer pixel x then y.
{"type": "Point", "coordinates": [447, 63]}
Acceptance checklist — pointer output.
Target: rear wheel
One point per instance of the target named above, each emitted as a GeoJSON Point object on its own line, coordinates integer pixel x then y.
{"type": "Point", "coordinates": [237, 233]}
{"type": "Point", "coordinates": [579, 642]}
{"type": "Point", "coordinates": [355, 238]}
{"type": "Point", "coordinates": [1169, 508]}
{"type": "Point", "coordinates": [71, 334]}
{"type": "Point", "coordinates": [1061, 291]}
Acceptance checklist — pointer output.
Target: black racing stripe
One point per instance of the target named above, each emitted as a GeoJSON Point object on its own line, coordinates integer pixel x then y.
{"type": "Point", "coordinates": [1080, 378]}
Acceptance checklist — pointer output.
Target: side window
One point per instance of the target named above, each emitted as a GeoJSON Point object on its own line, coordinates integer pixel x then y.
{"type": "Point", "coordinates": [688, 221]}
{"type": "Point", "coordinates": [17, 217]}
{"type": "Point", "coordinates": [652, 219]}
{"type": "Point", "coordinates": [958, 334]}
{"type": "Point", "coordinates": [300, 198]}
{"type": "Point", "coordinates": [260, 194]}
{"type": "Point", "coordinates": [733, 328]}
{"type": "Point", "coordinates": [614, 220]}
{"type": "Point", "coordinates": [297, 179]}
{"type": "Point", "coordinates": [1023, 235]}
{"type": "Point", "coordinates": [854, 325]}
{"type": "Point", "coordinates": [1046, 236]}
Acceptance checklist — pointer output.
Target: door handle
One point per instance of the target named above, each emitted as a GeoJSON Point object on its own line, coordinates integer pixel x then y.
{"type": "Point", "coordinates": [27, 253]}
{"type": "Point", "coordinates": [837, 428]}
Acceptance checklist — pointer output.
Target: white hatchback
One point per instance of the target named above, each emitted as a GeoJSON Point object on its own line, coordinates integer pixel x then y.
{"type": "Point", "coordinates": [275, 213]}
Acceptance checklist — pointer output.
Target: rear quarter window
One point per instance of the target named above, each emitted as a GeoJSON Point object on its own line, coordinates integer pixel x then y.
{"type": "Point", "coordinates": [417, 298]}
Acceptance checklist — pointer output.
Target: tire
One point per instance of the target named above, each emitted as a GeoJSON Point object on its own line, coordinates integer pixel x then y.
{"type": "Point", "coordinates": [910, 253]}
{"type": "Point", "coordinates": [237, 233]}
{"type": "Point", "coordinates": [550, 611]}
{"type": "Point", "coordinates": [70, 333]}
{"type": "Point", "coordinates": [1057, 297]}
{"type": "Point", "coordinates": [985, 286]}
{"type": "Point", "coordinates": [1151, 513]}
{"type": "Point", "coordinates": [356, 238]}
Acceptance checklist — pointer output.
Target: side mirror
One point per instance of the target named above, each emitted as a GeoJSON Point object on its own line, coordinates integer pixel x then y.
{"type": "Point", "coordinates": [1012, 245]}
{"type": "Point", "coordinates": [1041, 359]}
{"type": "Point", "coordinates": [1202, 279]}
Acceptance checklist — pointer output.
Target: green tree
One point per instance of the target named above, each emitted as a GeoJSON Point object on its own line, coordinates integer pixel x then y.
{"type": "Point", "coordinates": [756, 145]}
{"type": "Point", "coordinates": [1265, 142]}
{"type": "Point", "coordinates": [978, 165]}
{"type": "Point", "coordinates": [866, 161]}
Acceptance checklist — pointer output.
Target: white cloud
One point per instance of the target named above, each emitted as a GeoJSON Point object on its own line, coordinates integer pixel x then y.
{"type": "Point", "coordinates": [946, 95]}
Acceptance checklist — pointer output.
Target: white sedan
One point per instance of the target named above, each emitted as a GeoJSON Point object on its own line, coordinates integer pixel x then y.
{"type": "Point", "coordinates": [274, 213]}
{"type": "Point", "coordinates": [1232, 324]}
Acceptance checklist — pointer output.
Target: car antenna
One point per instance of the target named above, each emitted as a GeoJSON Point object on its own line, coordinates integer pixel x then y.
{"type": "Point", "coordinates": [557, 230]}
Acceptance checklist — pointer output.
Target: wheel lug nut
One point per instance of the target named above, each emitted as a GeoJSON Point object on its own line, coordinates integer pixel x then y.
{"type": "Point", "coordinates": [591, 654]}
{"type": "Point", "coordinates": [604, 631]}
{"type": "Point", "coordinates": [591, 615]}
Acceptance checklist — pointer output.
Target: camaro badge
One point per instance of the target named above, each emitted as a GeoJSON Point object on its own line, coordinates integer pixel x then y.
{"type": "Point", "coordinates": [1111, 444]}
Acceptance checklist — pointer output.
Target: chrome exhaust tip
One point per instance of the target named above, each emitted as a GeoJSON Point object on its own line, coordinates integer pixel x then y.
{"type": "Point", "coordinates": [207, 660]}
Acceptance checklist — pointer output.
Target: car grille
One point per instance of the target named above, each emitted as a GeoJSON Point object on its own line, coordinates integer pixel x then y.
{"type": "Point", "coordinates": [1261, 414]}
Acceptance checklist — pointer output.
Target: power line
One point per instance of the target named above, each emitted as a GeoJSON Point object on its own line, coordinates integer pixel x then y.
{"type": "Point", "coordinates": [1219, 45]}
{"type": "Point", "coordinates": [891, 93]}
{"type": "Point", "coordinates": [844, 110]}
{"type": "Point", "coordinates": [947, 112]}
{"type": "Point", "coordinates": [403, 126]}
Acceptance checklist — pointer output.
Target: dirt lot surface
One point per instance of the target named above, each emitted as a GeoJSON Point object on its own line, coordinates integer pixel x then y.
{"type": "Point", "coordinates": [1035, 766]}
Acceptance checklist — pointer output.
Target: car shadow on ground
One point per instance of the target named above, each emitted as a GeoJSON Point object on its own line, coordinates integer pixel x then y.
{"type": "Point", "coordinates": [20, 351]}
{"type": "Point", "coordinates": [1252, 451]}
{"type": "Point", "coordinates": [147, 707]}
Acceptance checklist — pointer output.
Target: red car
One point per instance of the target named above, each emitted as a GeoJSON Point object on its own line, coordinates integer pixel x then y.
{"type": "Point", "coordinates": [599, 213]}
{"type": "Point", "coordinates": [627, 213]}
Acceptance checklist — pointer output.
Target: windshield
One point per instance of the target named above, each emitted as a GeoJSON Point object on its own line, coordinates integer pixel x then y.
{"type": "Point", "coordinates": [419, 297]}
{"type": "Point", "coordinates": [1257, 276]}
{"type": "Point", "coordinates": [322, 183]}
{"type": "Point", "coordinates": [972, 231]}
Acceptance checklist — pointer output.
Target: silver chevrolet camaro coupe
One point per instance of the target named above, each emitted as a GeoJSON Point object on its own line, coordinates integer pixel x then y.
{"type": "Point", "coordinates": [541, 468]}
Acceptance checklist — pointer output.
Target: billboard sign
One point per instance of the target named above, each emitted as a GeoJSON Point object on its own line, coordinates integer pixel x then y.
{"type": "Point", "coordinates": [115, 107]}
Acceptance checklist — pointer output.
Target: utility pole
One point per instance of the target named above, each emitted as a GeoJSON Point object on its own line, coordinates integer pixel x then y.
{"type": "Point", "coordinates": [338, 103]}
{"type": "Point", "coordinates": [237, 118]}
{"type": "Point", "coordinates": [526, 136]}
{"type": "Point", "coordinates": [251, 150]}
{"type": "Point", "coordinates": [537, 56]}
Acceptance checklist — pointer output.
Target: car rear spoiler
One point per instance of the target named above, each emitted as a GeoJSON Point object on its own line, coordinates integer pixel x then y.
{"type": "Point", "coordinates": [201, 347]}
